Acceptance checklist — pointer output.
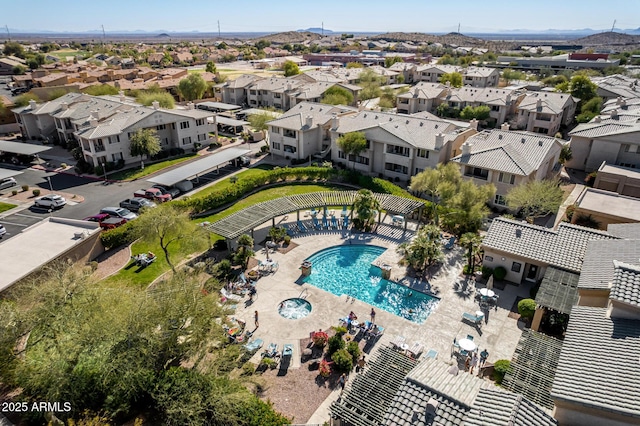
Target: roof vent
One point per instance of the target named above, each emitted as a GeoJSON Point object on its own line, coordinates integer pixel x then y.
{"type": "Point", "coordinates": [421, 124]}
{"type": "Point", "coordinates": [518, 233]}
{"type": "Point", "coordinates": [523, 140]}
{"type": "Point", "coordinates": [407, 122]}
{"type": "Point", "coordinates": [539, 143]}
{"type": "Point", "coordinates": [365, 116]}
{"type": "Point", "coordinates": [500, 137]}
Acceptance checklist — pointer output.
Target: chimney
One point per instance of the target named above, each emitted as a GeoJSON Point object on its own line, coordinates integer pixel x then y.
{"type": "Point", "coordinates": [614, 113]}
{"type": "Point", "coordinates": [32, 104]}
{"type": "Point", "coordinates": [156, 105]}
{"type": "Point", "coordinates": [308, 121]}
{"type": "Point", "coordinates": [466, 148]}
{"type": "Point", "coordinates": [93, 122]}
{"type": "Point", "coordinates": [94, 114]}
{"type": "Point", "coordinates": [288, 86]}
{"type": "Point", "coordinates": [539, 103]}
{"type": "Point", "coordinates": [190, 105]}
{"type": "Point", "coordinates": [121, 94]}
{"type": "Point", "coordinates": [474, 124]}
{"type": "Point", "coordinates": [505, 127]}
{"type": "Point", "coordinates": [597, 119]}
{"type": "Point", "coordinates": [508, 99]}
{"type": "Point", "coordinates": [619, 100]}
{"type": "Point", "coordinates": [623, 103]}
{"type": "Point", "coordinates": [64, 106]}
{"type": "Point", "coordinates": [335, 121]}
{"type": "Point", "coordinates": [439, 140]}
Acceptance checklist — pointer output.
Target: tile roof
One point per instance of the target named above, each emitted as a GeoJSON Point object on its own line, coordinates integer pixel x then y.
{"type": "Point", "coordinates": [627, 231]}
{"type": "Point", "coordinates": [481, 95]}
{"type": "Point", "coordinates": [598, 365]}
{"type": "Point", "coordinates": [424, 90]}
{"type": "Point", "coordinates": [551, 103]}
{"type": "Point", "coordinates": [596, 130]}
{"type": "Point", "coordinates": [598, 268]}
{"type": "Point", "coordinates": [626, 283]}
{"type": "Point", "coordinates": [243, 81]}
{"type": "Point", "coordinates": [494, 407]}
{"type": "Point", "coordinates": [519, 153]}
{"type": "Point", "coordinates": [295, 118]}
{"type": "Point", "coordinates": [564, 248]}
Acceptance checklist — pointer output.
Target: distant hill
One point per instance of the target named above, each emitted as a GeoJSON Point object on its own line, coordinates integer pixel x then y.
{"type": "Point", "coordinates": [608, 39]}
{"type": "Point", "coordinates": [447, 39]}
{"type": "Point", "coordinates": [317, 31]}
{"type": "Point", "coordinates": [290, 37]}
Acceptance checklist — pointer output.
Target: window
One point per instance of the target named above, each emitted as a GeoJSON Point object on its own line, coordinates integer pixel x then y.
{"type": "Point", "coordinates": [275, 145]}
{"type": "Point", "coordinates": [161, 126]}
{"type": "Point", "coordinates": [362, 160]}
{"type": "Point", "coordinates": [117, 157]}
{"type": "Point", "coordinates": [202, 137]}
{"type": "Point", "coordinates": [289, 133]}
{"type": "Point", "coordinates": [631, 148]}
{"type": "Point", "coordinates": [277, 95]}
{"type": "Point", "coordinates": [200, 122]}
{"type": "Point", "coordinates": [186, 141]}
{"type": "Point", "coordinates": [488, 258]}
{"type": "Point", "coordinates": [495, 107]}
{"type": "Point", "coordinates": [114, 139]}
{"type": "Point", "coordinates": [419, 170]}
{"type": "Point", "coordinates": [290, 148]}
{"type": "Point", "coordinates": [398, 150]}
{"type": "Point", "coordinates": [342, 155]}
{"type": "Point", "coordinates": [500, 200]}
{"type": "Point", "coordinates": [477, 173]}
{"type": "Point", "coordinates": [515, 266]}
{"type": "Point", "coordinates": [507, 178]}
{"type": "Point", "coordinates": [184, 125]}
{"type": "Point", "coordinates": [423, 153]}
{"type": "Point", "coordinates": [628, 165]}
{"type": "Point", "coordinates": [173, 126]}
{"type": "Point", "coordinates": [396, 168]}
{"type": "Point", "coordinates": [275, 130]}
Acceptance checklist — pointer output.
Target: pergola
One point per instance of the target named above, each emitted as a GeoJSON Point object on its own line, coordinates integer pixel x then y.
{"type": "Point", "coordinates": [247, 219]}
{"type": "Point", "coordinates": [533, 367]}
{"type": "Point", "coordinates": [367, 400]}
{"type": "Point", "coordinates": [558, 291]}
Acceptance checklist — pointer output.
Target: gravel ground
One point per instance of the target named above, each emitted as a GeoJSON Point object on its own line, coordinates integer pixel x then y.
{"type": "Point", "coordinates": [112, 261]}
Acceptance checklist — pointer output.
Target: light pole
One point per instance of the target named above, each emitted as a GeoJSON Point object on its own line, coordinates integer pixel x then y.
{"type": "Point", "coordinates": [50, 184]}
{"type": "Point", "coordinates": [104, 170]}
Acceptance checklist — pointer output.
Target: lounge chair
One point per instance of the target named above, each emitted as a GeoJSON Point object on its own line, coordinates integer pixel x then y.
{"type": "Point", "coordinates": [450, 243]}
{"type": "Point", "coordinates": [345, 222]}
{"type": "Point", "coordinates": [301, 227]}
{"type": "Point", "coordinates": [287, 228]}
{"type": "Point", "coordinates": [271, 351]}
{"type": "Point", "coordinates": [325, 222]}
{"type": "Point", "coordinates": [230, 296]}
{"type": "Point", "coordinates": [469, 337]}
{"type": "Point", "coordinates": [344, 211]}
{"type": "Point", "coordinates": [287, 350]}
{"type": "Point", "coordinates": [334, 222]}
{"type": "Point", "coordinates": [432, 354]}
{"type": "Point", "coordinates": [316, 224]}
{"type": "Point", "coordinates": [397, 342]}
{"type": "Point", "coordinates": [416, 349]}
{"type": "Point", "coordinates": [476, 319]}
{"type": "Point", "coordinates": [254, 345]}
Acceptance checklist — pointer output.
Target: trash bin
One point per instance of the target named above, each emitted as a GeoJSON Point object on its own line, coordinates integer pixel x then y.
{"type": "Point", "coordinates": [306, 268]}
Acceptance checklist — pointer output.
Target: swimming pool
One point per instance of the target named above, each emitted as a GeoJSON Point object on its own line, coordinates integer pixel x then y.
{"type": "Point", "coordinates": [348, 270]}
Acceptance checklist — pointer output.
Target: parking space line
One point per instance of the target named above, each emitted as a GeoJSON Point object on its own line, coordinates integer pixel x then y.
{"type": "Point", "coordinates": [26, 215]}
{"type": "Point", "coordinates": [15, 224]}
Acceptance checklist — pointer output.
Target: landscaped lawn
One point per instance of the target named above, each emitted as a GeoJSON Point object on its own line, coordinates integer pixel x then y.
{"type": "Point", "coordinates": [6, 206]}
{"type": "Point", "coordinates": [137, 173]}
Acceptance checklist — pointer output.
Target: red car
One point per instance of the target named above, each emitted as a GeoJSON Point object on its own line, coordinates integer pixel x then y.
{"type": "Point", "coordinates": [154, 194]}
{"type": "Point", "coordinates": [106, 222]}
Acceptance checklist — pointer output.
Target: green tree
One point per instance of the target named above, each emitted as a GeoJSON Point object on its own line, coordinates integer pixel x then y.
{"type": "Point", "coordinates": [480, 113]}
{"type": "Point", "coordinates": [390, 60]}
{"type": "Point", "coordinates": [465, 210]}
{"type": "Point", "coordinates": [100, 90]}
{"type": "Point", "coordinates": [354, 65]}
{"type": "Point", "coordinates": [23, 100]}
{"type": "Point", "coordinates": [352, 144]}
{"type": "Point", "coordinates": [12, 48]}
{"type": "Point", "coordinates": [555, 80]}
{"type": "Point", "coordinates": [370, 83]}
{"type": "Point", "coordinates": [454, 79]}
{"type": "Point", "coordinates": [387, 98]}
{"type": "Point", "coordinates": [565, 154]}
{"type": "Point", "coordinates": [365, 206]}
{"type": "Point", "coordinates": [192, 87]}
{"type": "Point", "coordinates": [211, 67]}
{"type": "Point", "coordinates": [164, 99]}
{"type": "Point", "coordinates": [336, 95]}
{"type": "Point", "coordinates": [439, 184]}
{"type": "Point", "coordinates": [589, 110]}
{"type": "Point", "coordinates": [18, 70]}
{"type": "Point", "coordinates": [583, 88]}
{"type": "Point", "coordinates": [424, 249]}
{"type": "Point", "coordinates": [290, 68]}
{"type": "Point", "coordinates": [509, 75]}
{"type": "Point", "coordinates": [245, 250]}
{"type": "Point", "coordinates": [169, 226]}
{"type": "Point", "coordinates": [144, 142]}
{"type": "Point", "coordinates": [536, 198]}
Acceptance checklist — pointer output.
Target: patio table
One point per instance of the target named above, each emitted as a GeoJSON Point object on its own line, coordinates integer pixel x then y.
{"type": "Point", "coordinates": [486, 292]}
{"type": "Point", "coordinates": [467, 345]}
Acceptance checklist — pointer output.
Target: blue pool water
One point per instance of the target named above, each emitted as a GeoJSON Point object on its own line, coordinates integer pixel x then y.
{"type": "Point", "coordinates": [348, 270]}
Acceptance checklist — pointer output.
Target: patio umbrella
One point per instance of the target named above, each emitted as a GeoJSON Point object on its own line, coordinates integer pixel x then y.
{"type": "Point", "coordinates": [490, 283]}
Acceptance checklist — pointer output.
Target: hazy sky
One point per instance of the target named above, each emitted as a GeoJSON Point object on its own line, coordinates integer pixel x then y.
{"type": "Point", "coordinates": [344, 15]}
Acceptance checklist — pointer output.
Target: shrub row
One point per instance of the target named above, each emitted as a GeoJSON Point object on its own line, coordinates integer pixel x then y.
{"type": "Point", "coordinates": [121, 235]}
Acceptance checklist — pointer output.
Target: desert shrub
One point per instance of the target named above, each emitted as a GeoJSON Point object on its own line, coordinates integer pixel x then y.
{"type": "Point", "coordinates": [25, 188]}
{"type": "Point", "coordinates": [335, 344]}
{"type": "Point", "coordinates": [122, 235]}
{"type": "Point", "coordinates": [340, 330]}
{"type": "Point", "coordinates": [287, 240]}
{"type": "Point", "coordinates": [14, 192]}
{"type": "Point", "coordinates": [526, 308]}
{"type": "Point", "coordinates": [343, 360]}
{"type": "Point", "coordinates": [500, 368]}
{"type": "Point", "coordinates": [36, 192]}
{"type": "Point", "coordinates": [499, 273]}
{"type": "Point", "coordinates": [354, 350]}
{"type": "Point", "coordinates": [320, 339]}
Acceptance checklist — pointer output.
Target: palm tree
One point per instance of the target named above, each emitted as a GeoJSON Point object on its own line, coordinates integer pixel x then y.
{"type": "Point", "coordinates": [424, 249]}
{"type": "Point", "coordinates": [365, 207]}
{"type": "Point", "coordinates": [245, 250]}
{"type": "Point", "coordinates": [472, 241]}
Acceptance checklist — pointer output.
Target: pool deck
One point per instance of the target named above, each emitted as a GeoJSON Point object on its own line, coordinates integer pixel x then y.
{"type": "Point", "coordinates": [499, 334]}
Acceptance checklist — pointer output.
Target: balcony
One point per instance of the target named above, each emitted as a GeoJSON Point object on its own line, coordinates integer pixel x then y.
{"type": "Point", "coordinates": [99, 148]}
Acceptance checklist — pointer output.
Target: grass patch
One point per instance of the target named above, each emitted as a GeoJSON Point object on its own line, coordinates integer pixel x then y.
{"type": "Point", "coordinates": [63, 53]}
{"type": "Point", "coordinates": [192, 71]}
{"type": "Point", "coordinates": [266, 195]}
{"type": "Point", "coordinates": [132, 174]}
{"type": "Point", "coordinates": [6, 206]}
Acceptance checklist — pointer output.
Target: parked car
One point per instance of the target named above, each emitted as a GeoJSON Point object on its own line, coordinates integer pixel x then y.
{"type": "Point", "coordinates": [3, 231]}
{"type": "Point", "coordinates": [174, 192]}
{"type": "Point", "coordinates": [7, 183]}
{"type": "Point", "coordinates": [184, 186]}
{"type": "Point", "coordinates": [153, 194]}
{"type": "Point", "coordinates": [136, 204]}
{"type": "Point", "coordinates": [51, 201]}
{"type": "Point", "coordinates": [106, 222]}
{"type": "Point", "coordinates": [119, 212]}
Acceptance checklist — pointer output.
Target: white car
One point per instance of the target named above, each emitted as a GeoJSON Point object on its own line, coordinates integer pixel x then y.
{"type": "Point", "coordinates": [7, 183]}
{"type": "Point", "coordinates": [51, 201]}
{"type": "Point", "coordinates": [3, 231]}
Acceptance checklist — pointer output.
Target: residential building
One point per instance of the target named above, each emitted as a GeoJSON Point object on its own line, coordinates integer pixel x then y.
{"type": "Point", "coordinates": [605, 207]}
{"type": "Point", "coordinates": [398, 146]}
{"type": "Point", "coordinates": [272, 92]}
{"type": "Point", "coordinates": [421, 97]}
{"type": "Point", "coordinates": [545, 112]}
{"type": "Point", "coordinates": [623, 180]}
{"type": "Point", "coordinates": [617, 85]}
{"type": "Point", "coordinates": [471, 76]}
{"type": "Point", "coordinates": [8, 123]}
{"type": "Point", "coordinates": [558, 62]}
{"type": "Point", "coordinates": [304, 130]}
{"type": "Point", "coordinates": [8, 63]}
{"type": "Point", "coordinates": [507, 159]}
{"type": "Point", "coordinates": [235, 91]}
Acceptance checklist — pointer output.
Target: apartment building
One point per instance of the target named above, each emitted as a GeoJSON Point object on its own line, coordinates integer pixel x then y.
{"type": "Point", "coordinates": [471, 76]}
{"type": "Point", "coordinates": [546, 112]}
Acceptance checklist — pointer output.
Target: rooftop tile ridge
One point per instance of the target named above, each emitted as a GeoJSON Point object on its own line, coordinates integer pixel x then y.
{"type": "Point", "coordinates": [586, 229]}
{"type": "Point", "coordinates": [530, 225]}
{"type": "Point", "coordinates": [619, 265]}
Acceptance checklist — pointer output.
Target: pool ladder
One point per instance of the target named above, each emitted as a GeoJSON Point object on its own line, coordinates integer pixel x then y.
{"type": "Point", "coordinates": [304, 291]}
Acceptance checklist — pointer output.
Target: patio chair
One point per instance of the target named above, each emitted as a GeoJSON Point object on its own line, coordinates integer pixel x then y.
{"type": "Point", "coordinates": [475, 319]}
{"type": "Point", "coordinates": [230, 296]}
{"type": "Point", "coordinates": [287, 350]}
{"type": "Point", "coordinates": [325, 222]}
{"type": "Point", "coordinates": [345, 222]}
{"type": "Point", "coordinates": [344, 211]}
{"type": "Point", "coordinates": [253, 346]}
{"type": "Point", "coordinates": [302, 227]}
{"type": "Point", "coordinates": [287, 228]}
{"type": "Point", "coordinates": [416, 350]}
{"type": "Point", "coordinates": [397, 342]}
{"type": "Point", "coordinates": [334, 222]}
{"type": "Point", "coordinates": [316, 224]}
{"type": "Point", "coordinates": [469, 337]}
{"type": "Point", "coordinates": [450, 243]}
{"type": "Point", "coordinates": [271, 351]}
{"type": "Point", "coordinates": [432, 354]}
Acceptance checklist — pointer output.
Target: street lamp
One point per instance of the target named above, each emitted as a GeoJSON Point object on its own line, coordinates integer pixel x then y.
{"type": "Point", "coordinates": [104, 170]}
{"type": "Point", "coordinates": [50, 184]}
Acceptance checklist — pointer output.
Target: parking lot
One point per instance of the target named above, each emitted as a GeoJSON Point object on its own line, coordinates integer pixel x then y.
{"type": "Point", "coordinates": [17, 222]}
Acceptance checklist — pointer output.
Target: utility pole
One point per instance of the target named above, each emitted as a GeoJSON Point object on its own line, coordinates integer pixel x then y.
{"type": "Point", "coordinates": [614, 25]}
{"type": "Point", "coordinates": [323, 29]}
{"type": "Point", "coordinates": [458, 27]}
{"type": "Point", "coordinates": [218, 28]}
{"type": "Point", "coordinates": [8, 33]}
{"type": "Point", "coordinates": [103, 36]}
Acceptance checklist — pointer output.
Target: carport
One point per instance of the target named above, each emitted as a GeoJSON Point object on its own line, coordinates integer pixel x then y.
{"type": "Point", "coordinates": [230, 126]}
{"type": "Point", "coordinates": [198, 167]}
{"type": "Point", "coordinates": [5, 173]}
{"type": "Point", "coordinates": [22, 148]}
{"type": "Point", "coordinates": [218, 107]}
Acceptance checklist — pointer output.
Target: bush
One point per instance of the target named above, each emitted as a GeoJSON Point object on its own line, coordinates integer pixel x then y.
{"type": "Point", "coordinates": [14, 192]}
{"type": "Point", "coordinates": [499, 273]}
{"type": "Point", "coordinates": [354, 350]}
{"type": "Point", "coordinates": [320, 339]}
{"type": "Point", "coordinates": [287, 240]}
{"type": "Point", "coordinates": [325, 368]}
{"type": "Point", "coordinates": [527, 308]}
{"type": "Point", "coordinates": [122, 235]}
{"type": "Point", "coordinates": [36, 192]}
{"type": "Point", "coordinates": [500, 368]}
{"type": "Point", "coordinates": [335, 344]}
{"type": "Point", "coordinates": [214, 145]}
{"type": "Point", "coordinates": [486, 272]}
{"type": "Point", "coordinates": [25, 188]}
{"type": "Point", "coordinates": [343, 361]}
{"type": "Point", "coordinates": [570, 211]}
